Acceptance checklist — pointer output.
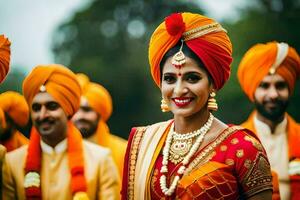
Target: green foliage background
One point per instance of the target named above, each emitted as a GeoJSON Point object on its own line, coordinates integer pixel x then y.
{"type": "Point", "coordinates": [108, 41]}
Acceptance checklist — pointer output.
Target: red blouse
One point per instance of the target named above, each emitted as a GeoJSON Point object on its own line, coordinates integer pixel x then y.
{"type": "Point", "coordinates": [232, 166]}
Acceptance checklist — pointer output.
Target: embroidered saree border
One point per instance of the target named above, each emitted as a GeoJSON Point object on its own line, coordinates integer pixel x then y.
{"type": "Point", "coordinates": [204, 156]}
{"type": "Point", "coordinates": [136, 141]}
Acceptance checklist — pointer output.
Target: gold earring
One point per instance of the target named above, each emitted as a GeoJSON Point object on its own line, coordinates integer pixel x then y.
{"type": "Point", "coordinates": [164, 106]}
{"type": "Point", "coordinates": [212, 102]}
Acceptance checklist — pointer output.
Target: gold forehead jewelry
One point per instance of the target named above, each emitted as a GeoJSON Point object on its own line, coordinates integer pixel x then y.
{"type": "Point", "coordinates": [179, 58]}
{"type": "Point", "coordinates": [42, 88]}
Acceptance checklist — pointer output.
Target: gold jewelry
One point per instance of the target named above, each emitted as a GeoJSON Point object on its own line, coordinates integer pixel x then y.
{"type": "Point", "coordinates": [202, 30]}
{"type": "Point", "coordinates": [42, 88]}
{"type": "Point", "coordinates": [179, 58]}
{"type": "Point", "coordinates": [164, 106]}
{"type": "Point", "coordinates": [212, 102]}
{"type": "Point", "coordinates": [179, 149]}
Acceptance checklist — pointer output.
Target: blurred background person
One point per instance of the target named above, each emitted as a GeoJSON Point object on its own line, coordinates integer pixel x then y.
{"type": "Point", "coordinates": [15, 116]}
{"type": "Point", "coordinates": [267, 74]}
{"type": "Point", "coordinates": [190, 56]}
{"type": "Point", "coordinates": [95, 109]}
{"type": "Point", "coordinates": [4, 67]}
{"type": "Point", "coordinates": [57, 163]}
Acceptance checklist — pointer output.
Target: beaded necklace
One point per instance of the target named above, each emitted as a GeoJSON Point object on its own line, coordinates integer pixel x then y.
{"type": "Point", "coordinates": [166, 153]}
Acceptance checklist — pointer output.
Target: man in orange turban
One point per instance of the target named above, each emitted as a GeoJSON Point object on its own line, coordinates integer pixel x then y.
{"type": "Point", "coordinates": [57, 162]}
{"type": "Point", "coordinates": [95, 109]}
{"type": "Point", "coordinates": [267, 74]}
{"type": "Point", "coordinates": [4, 57]}
{"type": "Point", "coordinates": [15, 115]}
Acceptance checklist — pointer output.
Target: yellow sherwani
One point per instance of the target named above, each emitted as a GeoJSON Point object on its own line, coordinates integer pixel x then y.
{"type": "Point", "coordinates": [100, 171]}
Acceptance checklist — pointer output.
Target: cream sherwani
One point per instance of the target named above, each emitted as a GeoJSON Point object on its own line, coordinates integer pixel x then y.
{"type": "Point", "coordinates": [101, 173]}
{"type": "Point", "coordinates": [276, 146]}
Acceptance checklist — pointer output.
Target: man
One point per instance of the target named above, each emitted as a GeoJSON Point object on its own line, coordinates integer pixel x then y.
{"type": "Point", "coordinates": [57, 163]}
{"type": "Point", "coordinates": [95, 109]}
{"type": "Point", "coordinates": [15, 115]}
{"type": "Point", "coordinates": [267, 74]}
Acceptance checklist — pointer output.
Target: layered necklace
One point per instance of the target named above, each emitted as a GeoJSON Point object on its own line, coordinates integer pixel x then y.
{"type": "Point", "coordinates": [181, 150]}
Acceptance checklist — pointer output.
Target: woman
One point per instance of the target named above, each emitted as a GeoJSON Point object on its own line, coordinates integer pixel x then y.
{"type": "Point", "coordinates": [194, 155]}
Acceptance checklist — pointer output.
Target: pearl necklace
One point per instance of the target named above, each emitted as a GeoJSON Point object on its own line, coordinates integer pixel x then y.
{"type": "Point", "coordinates": [185, 161]}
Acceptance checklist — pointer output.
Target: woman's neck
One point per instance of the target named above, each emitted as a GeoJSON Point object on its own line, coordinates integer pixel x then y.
{"type": "Point", "coordinates": [191, 123]}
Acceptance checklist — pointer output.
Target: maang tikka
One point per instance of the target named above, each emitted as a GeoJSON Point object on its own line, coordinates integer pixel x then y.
{"type": "Point", "coordinates": [179, 58]}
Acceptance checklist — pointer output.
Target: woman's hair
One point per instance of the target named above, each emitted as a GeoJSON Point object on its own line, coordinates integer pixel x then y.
{"type": "Point", "coordinates": [188, 53]}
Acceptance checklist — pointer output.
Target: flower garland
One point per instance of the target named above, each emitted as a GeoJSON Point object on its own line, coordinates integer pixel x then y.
{"type": "Point", "coordinates": [166, 150]}
{"type": "Point", "coordinates": [32, 182]}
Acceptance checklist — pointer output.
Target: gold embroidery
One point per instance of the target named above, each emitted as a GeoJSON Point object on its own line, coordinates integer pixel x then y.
{"type": "Point", "coordinates": [136, 140]}
{"type": "Point", "coordinates": [223, 148]}
{"type": "Point", "coordinates": [203, 30]}
{"type": "Point", "coordinates": [259, 176]}
{"type": "Point", "coordinates": [229, 161]}
{"type": "Point", "coordinates": [239, 153]}
{"type": "Point", "coordinates": [201, 158]}
{"type": "Point", "coordinates": [254, 142]}
{"type": "Point", "coordinates": [247, 163]}
{"type": "Point", "coordinates": [234, 141]}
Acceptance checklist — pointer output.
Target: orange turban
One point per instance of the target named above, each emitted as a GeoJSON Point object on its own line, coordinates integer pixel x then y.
{"type": "Point", "coordinates": [15, 105]}
{"type": "Point", "coordinates": [99, 99]}
{"type": "Point", "coordinates": [205, 37]}
{"type": "Point", "coordinates": [263, 59]}
{"type": "Point", "coordinates": [83, 80]}
{"type": "Point", "coordinates": [4, 57]}
{"type": "Point", "coordinates": [59, 81]}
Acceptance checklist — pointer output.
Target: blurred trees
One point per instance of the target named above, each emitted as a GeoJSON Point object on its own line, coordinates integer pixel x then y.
{"type": "Point", "coordinates": [108, 41]}
{"type": "Point", "coordinates": [13, 81]}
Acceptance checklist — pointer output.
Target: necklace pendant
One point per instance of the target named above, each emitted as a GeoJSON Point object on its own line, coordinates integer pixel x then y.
{"type": "Point", "coordinates": [179, 149]}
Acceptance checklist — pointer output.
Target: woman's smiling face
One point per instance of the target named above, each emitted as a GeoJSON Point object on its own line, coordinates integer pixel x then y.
{"type": "Point", "coordinates": [186, 88]}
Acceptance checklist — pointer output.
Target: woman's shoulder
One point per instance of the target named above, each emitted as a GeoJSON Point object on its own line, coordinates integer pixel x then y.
{"type": "Point", "coordinates": [243, 144]}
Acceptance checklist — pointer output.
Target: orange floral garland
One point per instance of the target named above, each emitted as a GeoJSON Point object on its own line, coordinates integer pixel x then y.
{"type": "Point", "coordinates": [76, 164]}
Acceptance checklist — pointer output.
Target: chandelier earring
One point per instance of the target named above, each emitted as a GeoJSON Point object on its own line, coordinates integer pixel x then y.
{"type": "Point", "coordinates": [212, 102]}
{"type": "Point", "coordinates": [164, 105]}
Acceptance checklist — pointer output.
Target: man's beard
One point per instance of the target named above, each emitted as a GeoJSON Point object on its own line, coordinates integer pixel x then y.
{"type": "Point", "coordinates": [87, 132]}
{"type": "Point", "coordinates": [275, 113]}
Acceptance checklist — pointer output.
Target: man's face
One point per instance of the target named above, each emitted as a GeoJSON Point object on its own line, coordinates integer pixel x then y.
{"type": "Point", "coordinates": [86, 119]}
{"type": "Point", "coordinates": [271, 97]}
{"type": "Point", "coordinates": [48, 116]}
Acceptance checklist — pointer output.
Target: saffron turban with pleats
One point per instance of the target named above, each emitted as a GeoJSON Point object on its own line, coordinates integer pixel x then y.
{"type": "Point", "coordinates": [204, 36]}
{"type": "Point", "coordinates": [15, 105]}
{"type": "Point", "coordinates": [59, 82]}
{"type": "Point", "coordinates": [263, 59]}
{"type": "Point", "coordinates": [4, 57]}
{"type": "Point", "coordinates": [99, 99]}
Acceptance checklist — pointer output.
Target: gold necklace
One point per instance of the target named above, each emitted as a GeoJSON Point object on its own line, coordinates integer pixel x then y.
{"type": "Point", "coordinates": [182, 143]}
{"type": "Point", "coordinates": [179, 149]}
